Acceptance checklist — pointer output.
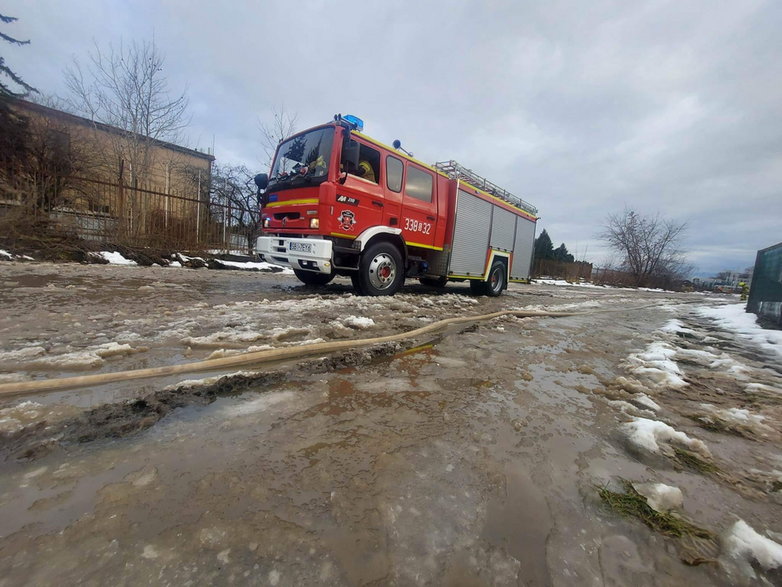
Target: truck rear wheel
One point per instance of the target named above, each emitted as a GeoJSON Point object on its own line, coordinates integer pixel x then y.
{"type": "Point", "coordinates": [496, 283]}
{"type": "Point", "coordinates": [312, 278]}
{"type": "Point", "coordinates": [380, 270]}
{"type": "Point", "coordinates": [498, 279]}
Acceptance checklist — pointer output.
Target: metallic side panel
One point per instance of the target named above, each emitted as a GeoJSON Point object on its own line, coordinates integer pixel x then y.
{"type": "Point", "coordinates": [470, 235]}
{"type": "Point", "coordinates": [503, 229]}
{"type": "Point", "coordinates": [522, 254]}
{"type": "Point", "coordinates": [438, 262]}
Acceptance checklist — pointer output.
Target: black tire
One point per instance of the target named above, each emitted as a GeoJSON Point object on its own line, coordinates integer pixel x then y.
{"type": "Point", "coordinates": [433, 281]}
{"type": "Point", "coordinates": [312, 278]}
{"type": "Point", "coordinates": [498, 281]}
{"type": "Point", "coordinates": [380, 271]}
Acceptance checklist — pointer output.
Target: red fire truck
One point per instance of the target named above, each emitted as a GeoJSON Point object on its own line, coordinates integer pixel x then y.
{"type": "Point", "coordinates": [340, 203]}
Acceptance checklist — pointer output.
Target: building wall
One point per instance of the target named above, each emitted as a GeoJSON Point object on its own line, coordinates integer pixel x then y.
{"type": "Point", "coordinates": [101, 156]}
{"type": "Point", "coordinates": [765, 294]}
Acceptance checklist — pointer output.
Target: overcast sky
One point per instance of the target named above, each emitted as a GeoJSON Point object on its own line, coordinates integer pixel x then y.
{"type": "Point", "coordinates": [582, 108]}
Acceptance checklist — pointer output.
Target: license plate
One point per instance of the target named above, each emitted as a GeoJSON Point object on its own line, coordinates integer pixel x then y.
{"type": "Point", "coordinates": [301, 247]}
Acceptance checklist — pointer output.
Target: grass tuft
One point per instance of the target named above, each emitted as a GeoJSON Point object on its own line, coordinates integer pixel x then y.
{"type": "Point", "coordinates": [692, 461]}
{"type": "Point", "coordinates": [633, 504]}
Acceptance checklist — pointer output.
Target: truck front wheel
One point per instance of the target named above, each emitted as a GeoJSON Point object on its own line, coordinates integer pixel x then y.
{"type": "Point", "coordinates": [312, 278]}
{"type": "Point", "coordinates": [380, 270]}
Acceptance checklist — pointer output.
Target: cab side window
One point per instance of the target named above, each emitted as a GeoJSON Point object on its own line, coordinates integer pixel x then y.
{"type": "Point", "coordinates": [394, 170]}
{"type": "Point", "coordinates": [419, 184]}
{"type": "Point", "coordinates": [368, 163]}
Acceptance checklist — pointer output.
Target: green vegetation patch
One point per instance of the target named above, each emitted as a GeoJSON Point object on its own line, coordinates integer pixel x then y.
{"type": "Point", "coordinates": [633, 504]}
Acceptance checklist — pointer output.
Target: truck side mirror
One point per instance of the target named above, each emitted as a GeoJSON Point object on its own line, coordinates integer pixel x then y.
{"type": "Point", "coordinates": [261, 180]}
{"type": "Point", "coordinates": [350, 152]}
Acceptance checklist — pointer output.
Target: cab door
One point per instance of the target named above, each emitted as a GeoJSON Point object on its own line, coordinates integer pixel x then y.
{"type": "Point", "coordinates": [419, 207]}
{"type": "Point", "coordinates": [359, 201]}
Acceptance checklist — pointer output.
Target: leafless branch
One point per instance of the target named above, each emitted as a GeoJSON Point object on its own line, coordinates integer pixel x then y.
{"type": "Point", "coordinates": [282, 126]}
{"type": "Point", "coordinates": [648, 246]}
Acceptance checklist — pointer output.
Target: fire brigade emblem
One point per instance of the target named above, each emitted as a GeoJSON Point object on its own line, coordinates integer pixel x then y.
{"type": "Point", "coordinates": [346, 220]}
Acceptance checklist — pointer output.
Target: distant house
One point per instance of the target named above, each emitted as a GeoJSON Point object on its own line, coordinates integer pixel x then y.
{"type": "Point", "coordinates": [105, 181]}
{"type": "Point", "coordinates": [765, 293]}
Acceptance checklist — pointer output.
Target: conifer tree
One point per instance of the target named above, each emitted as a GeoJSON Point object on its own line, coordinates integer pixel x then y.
{"type": "Point", "coordinates": [7, 72]}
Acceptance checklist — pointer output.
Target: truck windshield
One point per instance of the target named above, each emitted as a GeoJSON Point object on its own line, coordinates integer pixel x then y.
{"type": "Point", "coordinates": [303, 159]}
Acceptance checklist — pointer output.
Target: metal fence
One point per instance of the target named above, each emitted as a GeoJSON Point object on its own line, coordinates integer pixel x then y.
{"type": "Point", "coordinates": [765, 293]}
{"type": "Point", "coordinates": [136, 215]}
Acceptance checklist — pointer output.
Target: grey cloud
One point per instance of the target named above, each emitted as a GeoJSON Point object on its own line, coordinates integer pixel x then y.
{"type": "Point", "coordinates": [582, 108]}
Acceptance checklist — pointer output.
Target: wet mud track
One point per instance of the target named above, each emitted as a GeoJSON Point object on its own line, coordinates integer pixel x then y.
{"type": "Point", "coordinates": [475, 457]}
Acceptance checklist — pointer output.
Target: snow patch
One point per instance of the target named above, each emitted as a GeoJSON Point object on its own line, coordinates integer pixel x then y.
{"type": "Point", "coordinates": [114, 258]}
{"type": "Point", "coordinates": [86, 359]}
{"type": "Point", "coordinates": [645, 401]}
{"type": "Point", "coordinates": [656, 364]}
{"type": "Point", "coordinates": [256, 266]}
{"type": "Point", "coordinates": [358, 322]}
{"type": "Point", "coordinates": [23, 354]}
{"type": "Point", "coordinates": [736, 418]}
{"type": "Point", "coordinates": [734, 319]}
{"type": "Point", "coordinates": [760, 388]}
{"type": "Point", "coordinates": [743, 543]}
{"type": "Point", "coordinates": [659, 496]}
{"type": "Point", "coordinates": [648, 434]}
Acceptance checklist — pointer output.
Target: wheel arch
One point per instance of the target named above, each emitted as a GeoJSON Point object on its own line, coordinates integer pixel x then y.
{"type": "Point", "coordinates": [503, 258]}
{"type": "Point", "coordinates": [394, 238]}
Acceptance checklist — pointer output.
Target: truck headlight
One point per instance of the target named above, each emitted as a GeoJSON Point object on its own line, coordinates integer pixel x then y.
{"type": "Point", "coordinates": [314, 223]}
{"type": "Point", "coordinates": [266, 222]}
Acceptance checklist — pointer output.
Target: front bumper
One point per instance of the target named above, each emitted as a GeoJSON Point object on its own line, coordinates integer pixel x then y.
{"type": "Point", "coordinates": [299, 253]}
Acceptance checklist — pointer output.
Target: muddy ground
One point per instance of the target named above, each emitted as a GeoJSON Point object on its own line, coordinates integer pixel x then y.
{"type": "Point", "coordinates": [484, 454]}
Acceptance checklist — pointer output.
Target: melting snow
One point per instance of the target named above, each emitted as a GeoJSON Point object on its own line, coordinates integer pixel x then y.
{"type": "Point", "coordinates": [656, 364]}
{"type": "Point", "coordinates": [743, 543]}
{"type": "Point", "coordinates": [358, 322]}
{"type": "Point", "coordinates": [659, 496]}
{"type": "Point", "coordinates": [647, 434]}
{"type": "Point", "coordinates": [737, 418]}
{"type": "Point", "coordinates": [114, 258]}
{"type": "Point", "coordinates": [734, 318]}
{"type": "Point", "coordinates": [85, 359]}
{"type": "Point", "coordinates": [645, 401]}
{"type": "Point", "coordinates": [255, 266]}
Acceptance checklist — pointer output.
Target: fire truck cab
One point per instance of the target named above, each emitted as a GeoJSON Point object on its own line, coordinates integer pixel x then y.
{"type": "Point", "coordinates": [340, 203]}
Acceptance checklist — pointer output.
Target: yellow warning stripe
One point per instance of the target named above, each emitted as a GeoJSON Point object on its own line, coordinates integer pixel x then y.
{"type": "Point", "coordinates": [292, 202]}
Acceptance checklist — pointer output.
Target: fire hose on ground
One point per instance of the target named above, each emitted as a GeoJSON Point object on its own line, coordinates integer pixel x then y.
{"type": "Point", "coordinates": [264, 356]}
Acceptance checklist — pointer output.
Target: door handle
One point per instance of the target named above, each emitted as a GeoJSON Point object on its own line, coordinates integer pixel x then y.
{"type": "Point", "coordinates": [376, 203]}
{"type": "Point", "coordinates": [430, 218]}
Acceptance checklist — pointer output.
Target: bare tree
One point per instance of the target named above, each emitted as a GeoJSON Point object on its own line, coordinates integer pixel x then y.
{"type": "Point", "coordinates": [648, 246]}
{"type": "Point", "coordinates": [282, 126]}
{"type": "Point", "coordinates": [235, 202]}
{"type": "Point", "coordinates": [125, 87]}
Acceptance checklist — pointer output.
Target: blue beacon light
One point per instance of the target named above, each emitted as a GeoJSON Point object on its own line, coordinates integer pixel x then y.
{"type": "Point", "coordinates": [355, 120]}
